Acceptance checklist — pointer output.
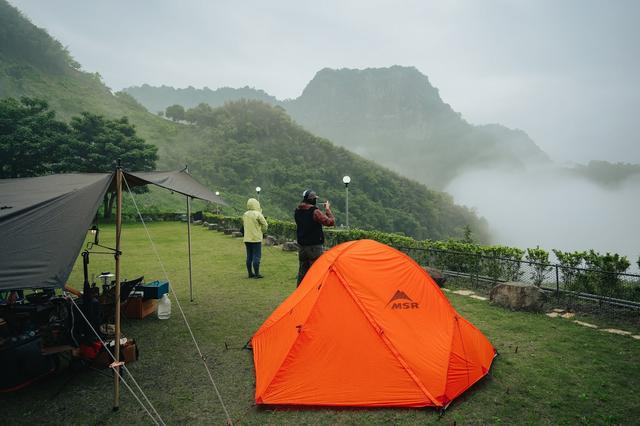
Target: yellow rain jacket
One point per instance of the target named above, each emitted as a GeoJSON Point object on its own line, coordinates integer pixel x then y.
{"type": "Point", "coordinates": [254, 223]}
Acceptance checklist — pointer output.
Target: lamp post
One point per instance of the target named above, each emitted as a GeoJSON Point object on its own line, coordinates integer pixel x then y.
{"type": "Point", "coordinates": [95, 232]}
{"type": "Point", "coordinates": [258, 189]}
{"type": "Point", "coordinates": [347, 180]}
{"type": "Point", "coordinates": [217, 204]}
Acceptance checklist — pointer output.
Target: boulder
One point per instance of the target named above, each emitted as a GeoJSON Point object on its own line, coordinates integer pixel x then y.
{"type": "Point", "coordinates": [517, 296]}
{"type": "Point", "coordinates": [205, 224]}
{"type": "Point", "coordinates": [228, 231]}
{"type": "Point", "coordinates": [270, 240]}
{"type": "Point", "coordinates": [197, 222]}
{"type": "Point", "coordinates": [437, 275]}
{"type": "Point", "coordinates": [212, 227]}
{"type": "Point", "coordinates": [290, 246]}
{"type": "Point", "coordinates": [236, 234]}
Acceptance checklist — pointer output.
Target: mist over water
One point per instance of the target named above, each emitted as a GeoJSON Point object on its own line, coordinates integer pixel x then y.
{"type": "Point", "coordinates": [549, 208]}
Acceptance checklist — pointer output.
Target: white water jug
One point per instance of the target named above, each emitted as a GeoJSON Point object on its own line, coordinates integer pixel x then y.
{"type": "Point", "coordinates": [164, 307]}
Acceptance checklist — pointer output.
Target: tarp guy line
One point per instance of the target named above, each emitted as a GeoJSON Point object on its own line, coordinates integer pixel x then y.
{"type": "Point", "coordinates": [164, 271]}
{"type": "Point", "coordinates": [125, 369]}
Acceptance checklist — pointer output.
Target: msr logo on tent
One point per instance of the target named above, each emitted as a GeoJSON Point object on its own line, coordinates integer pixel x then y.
{"type": "Point", "coordinates": [397, 299]}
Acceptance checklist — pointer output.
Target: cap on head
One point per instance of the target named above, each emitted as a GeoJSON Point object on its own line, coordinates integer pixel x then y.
{"type": "Point", "coordinates": [309, 195]}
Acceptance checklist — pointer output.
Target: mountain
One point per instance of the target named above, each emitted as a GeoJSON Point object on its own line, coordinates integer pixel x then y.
{"type": "Point", "coordinates": [243, 145]}
{"type": "Point", "coordinates": [393, 116]}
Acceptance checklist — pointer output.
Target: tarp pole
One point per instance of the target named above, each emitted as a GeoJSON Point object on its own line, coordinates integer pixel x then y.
{"type": "Point", "coordinates": [189, 244]}
{"type": "Point", "coordinates": [116, 375]}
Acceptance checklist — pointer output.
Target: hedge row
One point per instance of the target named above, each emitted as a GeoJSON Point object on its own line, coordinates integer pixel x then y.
{"type": "Point", "coordinates": [588, 272]}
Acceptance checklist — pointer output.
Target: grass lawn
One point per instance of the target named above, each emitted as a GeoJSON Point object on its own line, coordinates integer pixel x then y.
{"type": "Point", "coordinates": [549, 371]}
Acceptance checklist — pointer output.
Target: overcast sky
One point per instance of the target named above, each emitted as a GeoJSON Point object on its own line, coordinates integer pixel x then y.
{"type": "Point", "coordinates": [566, 72]}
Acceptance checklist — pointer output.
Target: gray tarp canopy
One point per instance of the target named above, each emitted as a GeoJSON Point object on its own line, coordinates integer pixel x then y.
{"type": "Point", "coordinates": [180, 182]}
{"type": "Point", "coordinates": [44, 220]}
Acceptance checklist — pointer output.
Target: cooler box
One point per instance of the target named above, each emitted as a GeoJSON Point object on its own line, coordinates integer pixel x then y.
{"type": "Point", "coordinates": [154, 289]}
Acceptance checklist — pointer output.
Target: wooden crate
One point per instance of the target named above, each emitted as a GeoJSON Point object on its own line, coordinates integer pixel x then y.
{"type": "Point", "coordinates": [138, 308]}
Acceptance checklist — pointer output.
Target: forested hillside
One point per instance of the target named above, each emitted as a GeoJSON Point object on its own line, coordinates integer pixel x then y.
{"type": "Point", "coordinates": [250, 143]}
{"type": "Point", "coordinates": [244, 144]}
{"type": "Point", "coordinates": [606, 173]}
{"type": "Point", "coordinates": [35, 65]}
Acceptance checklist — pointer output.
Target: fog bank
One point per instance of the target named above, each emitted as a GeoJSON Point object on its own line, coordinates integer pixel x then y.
{"type": "Point", "coordinates": [549, 208]}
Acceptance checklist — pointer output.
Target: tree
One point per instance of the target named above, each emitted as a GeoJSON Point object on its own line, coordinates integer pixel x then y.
{"type": "Point", "coordinates": [202, 115]}
{"type": "Point", "coordinates": [468, 234]}
{"type": "Point", "coordinates": [175, 112]}
{"type": "Point", "coordinates": [32, 141]}
{"type": "Point", "coordinates": [98, 142]}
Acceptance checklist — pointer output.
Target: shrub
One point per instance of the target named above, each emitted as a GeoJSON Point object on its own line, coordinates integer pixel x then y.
{"type": "Point", "coordinates": [539, 259]}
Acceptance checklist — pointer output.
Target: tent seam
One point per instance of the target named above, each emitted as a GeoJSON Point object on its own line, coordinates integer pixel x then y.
{"type": "Point", "coordinates": [385, 340]}
{"type": "Point", "coordinates": [258, 333]}
{"type": "Point", "coordinates": [446, 377]}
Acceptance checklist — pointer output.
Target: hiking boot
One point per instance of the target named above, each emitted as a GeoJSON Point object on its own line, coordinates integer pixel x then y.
{"type": "Point", "coordinates": [256, 276]}
{"type": "Point", "coordinates": [252, 276]}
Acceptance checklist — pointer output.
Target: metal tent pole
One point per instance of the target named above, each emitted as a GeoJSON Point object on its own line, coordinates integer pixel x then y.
{"type": "Point", "coordinates": [347, 203]}
{"type": "Point", "coordinates": [189, 244]}
{"type": "Point", "coordinates": [116, 363]}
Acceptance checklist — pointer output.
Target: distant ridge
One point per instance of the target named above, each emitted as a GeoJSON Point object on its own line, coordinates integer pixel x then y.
{"type": "Point", "coordinates": [159, 98]}
{"type": "Point", "coordinates": [393, 116]}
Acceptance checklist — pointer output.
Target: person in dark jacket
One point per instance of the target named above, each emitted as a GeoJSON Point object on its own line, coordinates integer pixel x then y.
{"type": "Point", "coordinates": [309, 222]}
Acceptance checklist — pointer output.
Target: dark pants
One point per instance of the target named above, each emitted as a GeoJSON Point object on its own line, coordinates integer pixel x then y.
{"type": "Point", "coordinates": [254, 253]}
{"type": "Point", "coordinates": [306, 256]}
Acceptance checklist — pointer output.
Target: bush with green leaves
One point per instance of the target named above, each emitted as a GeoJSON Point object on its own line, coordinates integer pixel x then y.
{"type": "Point", "coordinates": [604, 272]}
{"type": "Point", "coordinates": [539, 260]}
{"type": "Point", "coordinates": [569, 262]}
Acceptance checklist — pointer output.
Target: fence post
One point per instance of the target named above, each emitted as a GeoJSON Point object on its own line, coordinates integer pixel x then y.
{"type": "Point", "coordinates": [557, 285]}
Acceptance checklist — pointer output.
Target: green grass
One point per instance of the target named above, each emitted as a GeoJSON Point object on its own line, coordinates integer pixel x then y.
{"type": "Point", "coordinates": [549, 371]}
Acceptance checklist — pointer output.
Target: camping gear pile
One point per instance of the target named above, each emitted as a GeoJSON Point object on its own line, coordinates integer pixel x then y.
{"type": "Point", "coordinates": [43, 226]}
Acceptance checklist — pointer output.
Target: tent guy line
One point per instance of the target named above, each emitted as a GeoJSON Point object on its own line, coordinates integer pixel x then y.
{"type": "Point", "coordinates": [175, 296]}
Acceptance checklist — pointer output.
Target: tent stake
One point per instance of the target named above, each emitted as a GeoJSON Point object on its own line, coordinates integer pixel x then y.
{"type": "Point", "coordinates": [116, 376]}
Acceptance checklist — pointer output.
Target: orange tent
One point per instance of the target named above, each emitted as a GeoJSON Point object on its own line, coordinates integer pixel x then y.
{"type": "Point", "coordinates": [367, 327]}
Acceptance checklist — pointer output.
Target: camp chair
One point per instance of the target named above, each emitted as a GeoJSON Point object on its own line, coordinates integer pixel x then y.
{"type": "Point", "coordinates": [107, 299]}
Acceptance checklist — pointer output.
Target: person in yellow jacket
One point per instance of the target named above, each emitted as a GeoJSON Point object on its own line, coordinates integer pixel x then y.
{"type": "Point", "coordinates": [254, 227]}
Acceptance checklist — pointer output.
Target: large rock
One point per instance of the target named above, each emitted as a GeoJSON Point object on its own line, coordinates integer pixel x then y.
{"type": "Point", "coordinates": [437, 275]}
{"type": "Point", "coordinates": [270, 240]}
{"type": "Point", "coordinates": [518, 296]}
{"type": "Point", "coordinates": [290, 246]}
{"type": "Point", "coordinates": [236, 234]}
